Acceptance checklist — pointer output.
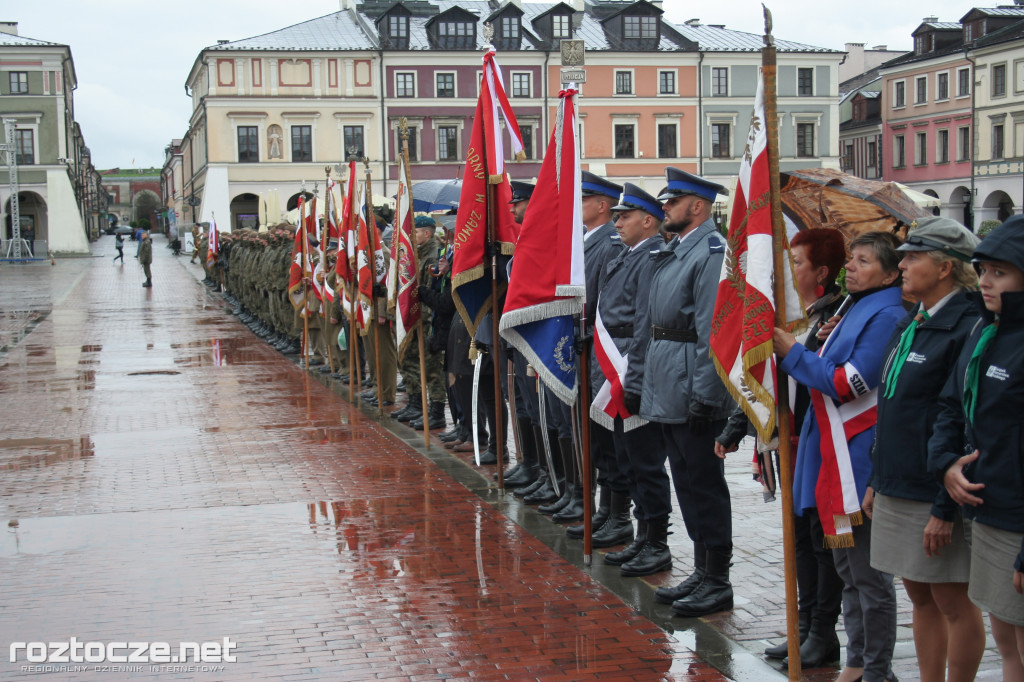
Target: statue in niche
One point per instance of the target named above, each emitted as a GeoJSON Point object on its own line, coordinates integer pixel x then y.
{"type": "Point", "coordinates": [274, 138]}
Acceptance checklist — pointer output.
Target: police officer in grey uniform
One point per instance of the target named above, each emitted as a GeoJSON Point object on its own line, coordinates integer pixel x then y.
{"type": "Point", "coordinates": [622, 306]}
{"type": "Point", "coordinates": [683, 393]}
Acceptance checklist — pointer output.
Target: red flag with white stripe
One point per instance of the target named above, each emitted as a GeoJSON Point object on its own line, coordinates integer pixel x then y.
{"type": "Point", "coordinates": [610, 401]}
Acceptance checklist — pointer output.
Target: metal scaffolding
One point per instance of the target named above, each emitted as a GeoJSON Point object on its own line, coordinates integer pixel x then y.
{"type": "Point", "coordinates": [9, 149]}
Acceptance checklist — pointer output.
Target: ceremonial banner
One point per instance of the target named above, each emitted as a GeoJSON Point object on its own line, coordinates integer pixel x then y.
{"type": "Point", "coordinates": [485, 166]}
{"type": "Point", "coordinates": [300, 266]}
{"type": "Point", "coordinates": [744, 320]}
{"type": "Point", "coordinates": [547, 286]}
{"type": "Point", "coordinates": [212, 244]}
{"type": "Point", "coordinates": [369, 261]}
{"type": "Point", "coordinates": [403, 279]}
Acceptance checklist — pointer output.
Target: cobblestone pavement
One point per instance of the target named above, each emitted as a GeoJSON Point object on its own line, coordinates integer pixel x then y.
{"type": "Point", "coordinates": [167, 477]}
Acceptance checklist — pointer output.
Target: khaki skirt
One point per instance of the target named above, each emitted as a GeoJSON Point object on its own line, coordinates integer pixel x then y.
{"type": "Point", "coordinates": [897, 543]}
{"type": "Point", "coordinates": [993, 552]}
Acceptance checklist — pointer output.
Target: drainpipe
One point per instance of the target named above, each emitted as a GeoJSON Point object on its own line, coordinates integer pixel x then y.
{"type": "Point", "coordinates": [973, 128]}
{"type": "Point", "coordinates": [700, 113]}
{"type": "Point", "coordinates": [544, 114]}
{"type": "Point", "coordinates": [383, 125]}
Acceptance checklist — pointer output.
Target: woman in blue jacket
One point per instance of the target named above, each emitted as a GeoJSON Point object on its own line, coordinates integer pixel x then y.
{"type": "Point", "coordinates": [982, 404]}
{"type": "Point", "coordinates": [917, 531]}
{"type": "Point", "coordinates": [833, 462]}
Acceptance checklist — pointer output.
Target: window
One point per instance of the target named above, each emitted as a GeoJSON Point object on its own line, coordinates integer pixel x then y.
{"type": "Point", "coordinates": [805, 140]}
{"type": "Point", "coordinates": [805, 82]}
{"type": "Point", "coordinates": [848, 157]}
{"type": "Point", "coordinates": [527, 133]}
{"type": "Point", "coordinates": [623, 82]}
{"type": "Point", "coordinates": [24, 142]}
{"type": "Point", "coordinates": [302, 143]}
{"type": "Point", "coordinates": [455, 34]}
{"type": "Point", "coordinates": [999, 80]}
{"type": "Point", "coordinates": [720, 82]}
{"type": "Point", "coordinates": [942, 86]}
{"type": "Point", "coordinates": [445, 84]}
{"type": "Point", "coordinates": [668, 147]}
{"type": "Point", "coordinates": [398, 28]}
{"type": "Point", "coordinates": [413, 146]}
{"type": "Point", "coordinates": [899, 94]}
{"type": "Point", "coordinates": [625, 146]}
{"type": "Point", "coordinates": [921, 149]}
{"type": "Point", "coordinates": [353, 136]}
{"type": "Point", "coordinates": [942, 147]}
{"type": "Point", "coordinates": [510, 28]}
{"type": "Point", "coordinates": [963, 82]}
{"type": "Point", "coordinates": [667, 82]}
{"type": "Point", "coordinates": [248, 144]}
{"type": "Point", "coordinates": [963, 145]}
{"type": "Point", "coordinates": [872, 157]}
{"type": "Point", "coordinates": [921, 85]}
{"type": "Point", "coordinates": [405, 85]}
{"type": "Point", "coordinates": [899, 152]}
{"type": "Point", "coordinates": [720, 137]}
{"type": "Point", "coordinates": [997, 141]}
{"type": "Point", "coordinates": [19, 82]}
{"type": "Point", "coordinates": [640, 27]}
{"type": "Point", "coordinates": [521, 85]}
{"type": "Point", "coordinates": [447, 143]}
{"type": "Point", "coordinates": [560, 27]}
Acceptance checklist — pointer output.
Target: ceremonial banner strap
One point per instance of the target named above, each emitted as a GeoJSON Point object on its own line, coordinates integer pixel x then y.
{"type": "Point", "coordinates": [744, 318]}
{"type": "Point", "coordinates": [609, 402]}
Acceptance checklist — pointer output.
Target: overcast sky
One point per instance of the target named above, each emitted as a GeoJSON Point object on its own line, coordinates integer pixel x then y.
{"type": "Point", "coordinates": [132, 57]}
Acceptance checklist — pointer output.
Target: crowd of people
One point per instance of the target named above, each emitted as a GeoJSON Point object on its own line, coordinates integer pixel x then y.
{"type": "Point", "coordinates": [908, 455]}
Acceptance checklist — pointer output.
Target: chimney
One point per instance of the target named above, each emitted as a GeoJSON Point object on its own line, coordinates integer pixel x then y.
{"type": "Point", "coordinates": [881, 48]}
{"type": "Point", "coordinates": [346, 5]}
{"type": "Point", "coordinates": [930, 20]}
{"type": "Point", "coordinates": [579, 5]}
{"type": "Point", "coordinates": [9, 27]}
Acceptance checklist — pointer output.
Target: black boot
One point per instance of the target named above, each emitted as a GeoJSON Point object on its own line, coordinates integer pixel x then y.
{"type": "Point", "coordinates": [668, 595]}
{"type": "Point", "coordinates": [654, 556]}
{"type": "Point", "coordinates": [527, 470]}
{"type": "Point", "coordinates": [632, 549]}
{"type": "Point", "coordinates": [821, 646]}
{"type": "Point", "coordinates": [546, 493]}
{"type": "Point", "coordinates": [782, 650]}
{"type": "Point", "coordinates": [573, 509]}
{"type": "Point", "coordinates": [599, 517]}
{"type": "Point", "coordinates": [565, 455]}
{"type": "Point", "coordinates": [436, 418]}
{"type": "Point", "coordinates": [414, 410]}
{"type": "Point", "coordinates": [714, 594]}
{"type": "Point", "coordinates": [414, 403]}
{"type": "Point", "coordinates": [618, 529]}
{"type": "Point", "coordinates": [542, 467]}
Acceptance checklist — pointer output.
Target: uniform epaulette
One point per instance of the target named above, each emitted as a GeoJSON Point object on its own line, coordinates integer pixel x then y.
{"type": "Point", "coordinates": [715, 244]}
{"type": "Point", "coordinates": [615, 237]}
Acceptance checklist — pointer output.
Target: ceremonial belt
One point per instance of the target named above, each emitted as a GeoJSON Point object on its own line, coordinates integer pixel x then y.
{"type": "Point", "coordinates": [680, 335]}
{"type": "Point", "coordinates": [624, 331]}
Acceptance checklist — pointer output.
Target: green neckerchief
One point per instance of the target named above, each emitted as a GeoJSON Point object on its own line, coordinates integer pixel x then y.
{"type": "Point", "coordinates": [974, 367]}
{"type": "Point", "coordinates": [902, 351]}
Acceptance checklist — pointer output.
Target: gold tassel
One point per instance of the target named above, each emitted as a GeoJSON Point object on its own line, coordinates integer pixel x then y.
{"type": "Point", "coordinates": [839, 541]}
{"type": "Point", "coordinates": [473, 352]}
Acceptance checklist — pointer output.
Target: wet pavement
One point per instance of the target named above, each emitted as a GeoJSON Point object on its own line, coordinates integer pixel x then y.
{"type": "Point", "coordinates": [168, 477]}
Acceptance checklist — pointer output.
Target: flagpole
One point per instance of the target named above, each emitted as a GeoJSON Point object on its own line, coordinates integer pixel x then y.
{"type": "Point", "coordinates": [324, 236]}
{"type": "Point", "coordinates": [372, 322]}
{"type": "Point", "coordinates": [353, 343]}
{"type": "Point", "coordinates": [305, 291]}
{"type": "Point", "coordinates": [783, 418]}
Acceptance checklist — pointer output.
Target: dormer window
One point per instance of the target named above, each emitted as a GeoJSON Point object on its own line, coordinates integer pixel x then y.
{"type": "Point", "coordinates": [561, 26]}
{"type": "Point", "coordinates": [398, 28]}
{"type": "Point", "coordinates": [394, 28]}
{"type": "Point", "coordinates": [635, 27]}
{"type": "Point", "coordinates": [510, 28]}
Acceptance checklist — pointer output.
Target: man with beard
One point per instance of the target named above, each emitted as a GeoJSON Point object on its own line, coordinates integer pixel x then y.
{"type": "Point", "coordinates": [682, 392]}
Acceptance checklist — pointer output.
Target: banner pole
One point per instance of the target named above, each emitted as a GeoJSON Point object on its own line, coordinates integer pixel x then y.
{"type": "Point", "coordinates": [783, 418]}
{"type": "Point", "coordinates": [372, 323]}
{"type": "Point", "coordinates": [324, 237]}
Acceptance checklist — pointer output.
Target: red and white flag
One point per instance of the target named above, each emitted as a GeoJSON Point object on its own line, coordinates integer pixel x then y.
{"type": "Point", "coordinates": [744, 319]}
{"type": "Point", "coordinates": [369, 261]}
{"type": "Point", "coordinates": [212, 244]}
{"type": "Point", "coordinates": [403, 277]}
{"type": "Point", "coordinates": [610, 401]}
{"type": "Point", "coordinates": [300, 267]}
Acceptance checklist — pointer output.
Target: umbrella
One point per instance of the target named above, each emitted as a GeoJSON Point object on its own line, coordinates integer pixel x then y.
{"type": "Point", "coordinates": [263, 213]}
{"type": "Point", "coordinates": [380, 200]}
{"type": "Point", "coordinates": [822, 197]}
{"type": "Point", "coordinates": [436, 195]}
{"type": "Point", "coordinates": [273, 207]}
{"type": "Point", "coordinates": [920, 198]}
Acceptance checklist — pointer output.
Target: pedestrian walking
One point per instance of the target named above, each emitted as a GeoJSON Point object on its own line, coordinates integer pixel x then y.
{"type": "Point", "coordinates": [981, 408]}
{"type": "Point", "coordinates": [119, 245]}
{"type": "Point", "coordinates": [833, 459]}
{"type": "Point", "coordinates": [146, 258]}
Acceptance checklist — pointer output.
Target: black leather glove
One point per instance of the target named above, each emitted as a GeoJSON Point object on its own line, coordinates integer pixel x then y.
{"type": "Point", "coordinates": [490, 248]}
{"type": "Point", "coordinates": [424, 292]}
{"type": "Point", "coordinates": [701, 417]}
{"type": "Point", "coordinates": [632, 402]}
{"type": "Point", "coordinates": [380, 291]}
{"type": "Point", "coordinates": [582, 343]}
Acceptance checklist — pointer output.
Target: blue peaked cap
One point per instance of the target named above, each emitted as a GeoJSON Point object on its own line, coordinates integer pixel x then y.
{"type": "Point", "coordinates": [681, 183]}
{"type": "Point", "coordinates": [521, 191]}
{"type": "Point", "coordinates": [634, 198]}
{"type": "Point", "coordinates": [595, 185]}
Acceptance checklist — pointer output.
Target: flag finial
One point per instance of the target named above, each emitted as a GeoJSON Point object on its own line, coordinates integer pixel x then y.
{"type": "Point", "coordinates": [488, 35]}
{"type": "Point", "coordinates": [769, 40]}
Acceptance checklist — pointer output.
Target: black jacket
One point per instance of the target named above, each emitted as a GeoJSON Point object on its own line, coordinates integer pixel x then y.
{"type": "Point", "coordinates": [899, 457]}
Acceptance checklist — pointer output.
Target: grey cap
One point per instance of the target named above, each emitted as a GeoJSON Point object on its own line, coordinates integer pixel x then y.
{"type": "Point", "coordinates": [941, 234]}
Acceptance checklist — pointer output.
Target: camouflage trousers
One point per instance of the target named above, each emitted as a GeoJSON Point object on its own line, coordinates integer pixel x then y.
{"type": "Point", "coordinates": [410, 368]}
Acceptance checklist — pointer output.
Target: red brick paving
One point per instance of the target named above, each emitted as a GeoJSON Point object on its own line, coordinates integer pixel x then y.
{"type": "Point", "coordinates": [162, 497]}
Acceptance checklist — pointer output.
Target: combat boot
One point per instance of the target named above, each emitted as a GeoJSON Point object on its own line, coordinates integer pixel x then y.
{"type": "Point", "coordinates": [527, 470]}
{"type": "Point", "coordinates": [714, 594]}
{"type": "Point", "coordinates": [669, 595]}
{"type": "Point", "coordinates": [632, 549]}
{"type": "Point", "coordinates": [414, 410]}
{"type": "Point", "coordinates": [781, 651]}
{"type": "Point", "coordinates": [414, 400]}
{"type": "Point", "coordinates": [573, 509]}
{"type": "Point", "coordinates": [546, 493]}
{"type": "Point", "coordinates": [435, 418]}
{"type": "Point", "coordinates": [618, 528]}
{"type": "Point", "coordinates": [654, 556]}
{"type": "Point", "coordinates": [821, 646]}
{"type": "Point", "coordinates": [599, 517]}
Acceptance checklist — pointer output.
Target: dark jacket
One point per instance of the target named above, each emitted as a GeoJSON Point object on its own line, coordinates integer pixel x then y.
{"type": "Point", "coordinates": [146, 251]}
{"type": "Point", "coordinates": [899, 456]}
{"type": "Point", "coordinates": [997, 433]}
{"type": "Point", "coordinates": [436, 293]}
